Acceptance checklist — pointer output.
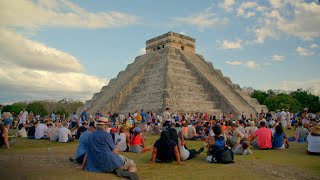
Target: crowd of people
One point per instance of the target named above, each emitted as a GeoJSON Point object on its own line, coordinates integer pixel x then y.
{"type": "Point", "coordinates": [101, 137]}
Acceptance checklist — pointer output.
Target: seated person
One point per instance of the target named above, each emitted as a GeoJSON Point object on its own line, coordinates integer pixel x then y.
{"type": "Point", "coordinates": [216, 143]}
{"type": "Point", "coordinates": [123, 138]}
{"type": "Point", "coordinates": [165, 150]}
{"type": "Point", "coordinates": [21, 131]}
{"type": "Point", "coordinates": [301, 134]}
{"type": "Point", "coordinates": [81, 129]}
{"type": "Point", "coordinates": [137, 142]}
{"type": "Point", "coordinates": [53, 132]}
{"type": "Point", "coordinates": [32, 130]}
{"type": "Point", "coordinates": [184, 130]}
{"type": "Point", "coordinates": [264, 136]}
{"type": "Point", "coordinates": [41, 131]}
{"type": "Point", "coordinates": [4, 140]}
{"type": "Point", "coordinates": [65, 134]}
{"type": "Point", "coordinates": [155, 128]}
{"type": "Point", "coordinates": [101, 154]}
{"type": "Point", "coordinates": [242, 149]}
{"type": "Point", "coordinates": [280, 140]}
{"type": "Point", "coordinates": [186, 154]}
{"type": "Point", "coordinates": [314, 141]}
{"type": "Point", "coordinates": [83, 141]}
{"type": "Point", "coordinates": [192, 132]}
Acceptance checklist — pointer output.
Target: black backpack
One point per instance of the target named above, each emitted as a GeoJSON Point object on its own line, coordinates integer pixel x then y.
{"type": "Point", "coordinates": [224, 156]}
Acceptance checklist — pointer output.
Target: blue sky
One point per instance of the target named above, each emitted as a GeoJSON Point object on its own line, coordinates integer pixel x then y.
{"type": "Point", "coordinates": [54, 49]}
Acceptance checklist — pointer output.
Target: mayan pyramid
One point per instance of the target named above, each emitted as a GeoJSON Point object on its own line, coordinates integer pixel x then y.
{"type": "Point", "coordinates": [171, 74]}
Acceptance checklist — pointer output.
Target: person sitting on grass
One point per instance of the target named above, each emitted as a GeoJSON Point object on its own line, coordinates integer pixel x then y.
{"type": "Point", "coordinates": [83, 141]}
{"type": "Point", "coordinates": [215, 143]}
{"type": "Point", "coordinates": [41, 131]}
{"type": "Point", "coordinates": [101, 154]}
{"type": "Point", "coordinates": [243, 148]}
{"type": "Point", "coordinates": [186, 154]}
{"type": "Point", "coordinates": [81, 129]}
{"type": "Point", "coordinates": [137, 142]}
{"type": "Point", "coordinates": [32, 130]}
{"type": "Point", "coordinates": [314, 141]}
{"type": "Point", "coordinates": [65, 134]}
{"type": "Point", "coordinates": [300, 135]}
{"type": "Point", "coordinates": [165, 150]}
{"type": "Point", "coordinates": [123, 137]}
{"type": "Point", "coordinates": [54, 132]}
{"type": "Point", "coordinates": [21, 131]}
{"type": "Point", "coordinates": [4, 139]}
{"type": "Point", "coordinates": [280, 140]}
{"type": "Point", "coordinates": [264, 137]}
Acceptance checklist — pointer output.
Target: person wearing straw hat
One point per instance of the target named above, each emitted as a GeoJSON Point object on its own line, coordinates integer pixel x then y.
{"type": "Point", "coordinates": [314, 140]}
{"type": "Point", "coordinates": [101, 155]}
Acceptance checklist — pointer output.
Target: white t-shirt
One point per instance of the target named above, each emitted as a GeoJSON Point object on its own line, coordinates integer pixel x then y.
{"type": "Point", "coordinates": [313, 143]}
{"type": "Point", "coordinates": [122, 137]}
{"type": "Point", "coordinates": [54, 133]}
{"type": "Point", "coordinates": [23, 118]}
{"type": "Point", "coordinates": [41, 130]}
{"type": "Point", "coordinates": [166, 116]}
{"type": "Point", "coordinates": [63, 134]}
{"type": "Point", "coordinates": [184, 154]}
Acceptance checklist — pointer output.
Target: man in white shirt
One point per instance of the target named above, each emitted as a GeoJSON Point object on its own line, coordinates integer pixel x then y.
{"type": "Point", "coordinates": [65, 134]}
{"type": "Point", "coordinates": [41, 131]}
{"type": "Point", "coordinates": [166, 117]}
{"type": "Point", "coordinates": [23, 116]}
{"type": "Point", "coordinates": [283, 118]}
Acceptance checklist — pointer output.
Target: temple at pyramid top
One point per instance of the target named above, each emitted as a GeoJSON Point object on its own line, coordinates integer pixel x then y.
{"type": "Point", "coordinates": [172, 75]}
{"type": "Point", "coordinates": [171, 39]}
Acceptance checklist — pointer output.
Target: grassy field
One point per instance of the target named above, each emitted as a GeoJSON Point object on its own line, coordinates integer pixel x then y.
{"type": "Point", "coordinates": [42, 159]}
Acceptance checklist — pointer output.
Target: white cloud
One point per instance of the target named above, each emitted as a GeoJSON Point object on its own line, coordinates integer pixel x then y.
{"type": "Point", "coordinates": [249, 9]}
{"type": "Point", "coordinates": [277, 57]}
{"type": "Point", "coordinates": [227, 5]}
{"type": "Point", "coordinates": [202, 20]}
{"type": "Point", "coordinates": [304, 52]}
{"type": "Point", "coordinates": [313, 85]}
{"type": "Point", "coordinates": [249, 64]}
{"type": "Point", "coordinates": [235, 63]}
{"type": "Point", "coordinates": [231, 45]}
{"type": "Point", "coordinates": [314, 46]}
{"type": "Point", "coordinates": [35, 14]}
{"type": "Point", "coordinates": [303, 21]}
{"type": "Point", "coordinates": [32, 70]}
{"type": "Point", "coordinates": [142, 51]}
{"type": "Point", "coordinates": [267, 64]}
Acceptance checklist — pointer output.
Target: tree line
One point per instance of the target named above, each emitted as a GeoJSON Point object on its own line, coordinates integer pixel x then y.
{"type": "Point", "coordinates": [294, 101]}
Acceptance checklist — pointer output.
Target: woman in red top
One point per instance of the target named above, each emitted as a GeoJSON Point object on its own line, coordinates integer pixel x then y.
{"type": "Point", "coordinates": [137, 142]}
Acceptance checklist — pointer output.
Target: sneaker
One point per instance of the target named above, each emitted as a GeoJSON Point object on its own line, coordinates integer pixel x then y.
{"type": "Point", "coordinates": [70, 158]}
{"type": "Point", "coordinates": [200, 150]}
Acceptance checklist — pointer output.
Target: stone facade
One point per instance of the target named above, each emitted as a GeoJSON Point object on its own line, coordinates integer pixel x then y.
{"type": "Point", "coordinates": [175, 78]}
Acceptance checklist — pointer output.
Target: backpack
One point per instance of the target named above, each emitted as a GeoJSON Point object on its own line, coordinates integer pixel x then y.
{"type": "Point", "coordinates": [220, 143]}
{"type": "Point", "coordinates": [224, 156]}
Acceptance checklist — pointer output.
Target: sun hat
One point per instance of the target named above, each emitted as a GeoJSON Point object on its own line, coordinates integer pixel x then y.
{"type": "Point", "coordinates": [103, 121]}
{"type": "Point", "coordinates": [315, 130]}
{"type": "Point", "coordinates": [137, 129]}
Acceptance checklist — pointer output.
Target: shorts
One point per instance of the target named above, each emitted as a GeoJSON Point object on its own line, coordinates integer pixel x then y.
{"type": "Point", "coordinates": [135, 149]}
{"type": "Point", "coordinates": [127, 163]}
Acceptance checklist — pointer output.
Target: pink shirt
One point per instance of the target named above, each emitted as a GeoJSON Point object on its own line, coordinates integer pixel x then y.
{"type": "Point", "coordinates": [264, 137]}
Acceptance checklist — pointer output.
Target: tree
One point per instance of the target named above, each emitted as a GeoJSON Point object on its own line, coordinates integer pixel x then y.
{"type": "Point", "coordinates": [259, 95]}
{"type": "Point", "coordinates": [37, 108]}
{"type": "Point", "coordinates": [16, 108]}
{"type": "Point", "coordinates": [283, 101]}
{"type": "Point", "coordinates": [306, 99]}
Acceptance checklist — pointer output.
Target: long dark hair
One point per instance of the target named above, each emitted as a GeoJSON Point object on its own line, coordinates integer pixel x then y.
{"type": "Point", "coordinates": [164, 138]}
{"type": "Point", "coordinates": [279, 129]}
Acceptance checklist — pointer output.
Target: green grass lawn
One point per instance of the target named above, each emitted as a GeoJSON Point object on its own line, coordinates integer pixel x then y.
{"type": "Point", "coordinates": [42, 159]}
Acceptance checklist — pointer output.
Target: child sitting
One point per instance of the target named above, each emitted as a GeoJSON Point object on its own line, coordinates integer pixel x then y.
{"type": "Point", "coordinates": [242, 149]}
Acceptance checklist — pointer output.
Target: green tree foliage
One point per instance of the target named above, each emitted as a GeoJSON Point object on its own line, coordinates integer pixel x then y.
{"type": "Point", "coordinates": [37, 108]}
{"type": "Point", "coordinates": [259, 95]}
{"type": "Point", "coordinates": [283, 101]}
{"type": "Point", "coordinates": [16, 108]}
{"type": "Point", "coordinates": [306, 99]}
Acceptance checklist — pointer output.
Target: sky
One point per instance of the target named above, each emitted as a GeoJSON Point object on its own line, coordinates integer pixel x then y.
{"type": "Point", "coordinates": [54, 49]}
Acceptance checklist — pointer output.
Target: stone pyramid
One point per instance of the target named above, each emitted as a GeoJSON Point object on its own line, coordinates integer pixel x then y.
{"type": "Point", "coordinates": [171, 74]}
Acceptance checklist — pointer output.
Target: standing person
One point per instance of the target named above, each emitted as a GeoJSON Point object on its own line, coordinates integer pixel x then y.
{"type": "Point", "coordinates": [288, 119]}
{"type": "Point", "coordinates": [166, 117]}
{"type": "Point", "coordinates": [101, 154]}
{"type": "Point", "coordinates": [74, 120]}
{"type": "Point", "coordinates": [53, 116]}
{"type": "Point", "coordinates": [283, 118]}
{"type": "Point", "coordinates": [264, 137]}
{"type": "Point", "coordinates": [23, 117]}
{"type": "Point", "coordinates": [84, 116]}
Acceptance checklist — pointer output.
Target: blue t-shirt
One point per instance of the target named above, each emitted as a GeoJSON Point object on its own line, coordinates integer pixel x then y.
{"type": "Point", "coordinates": [144, 117]}
{"type": "Point", "coordinates": [85, 116]}
{"type": "Point", "coordinates": [101, 157]}
{"type": "Point", "coordinates": [278, 139]}
{"type": "Point", "coordinates": [83, 140]}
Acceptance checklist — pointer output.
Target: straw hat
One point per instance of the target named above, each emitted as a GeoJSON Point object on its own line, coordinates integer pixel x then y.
{"type": "Point", "coordinates": [315, 130]}
{"type": "Point", "coordinates": [103, 121]}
